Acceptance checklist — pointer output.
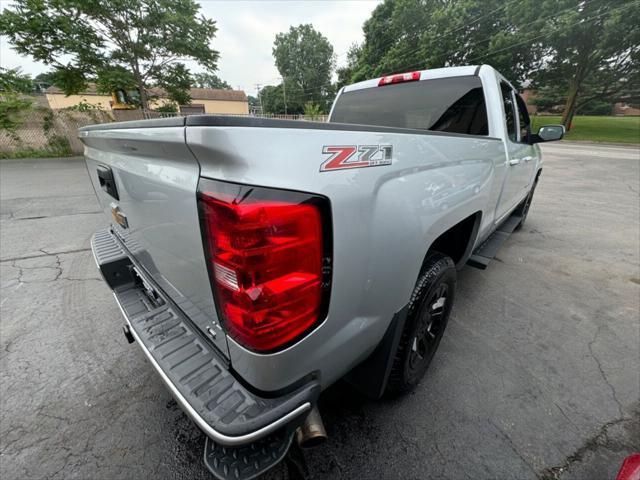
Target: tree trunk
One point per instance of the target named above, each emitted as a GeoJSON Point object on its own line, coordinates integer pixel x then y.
{"type": "Point", "coordinates": [144, 101]}
{"type": "Point", "coordinates": [582, 69]}
{"type": "Point", "coordinates": [570, 104]}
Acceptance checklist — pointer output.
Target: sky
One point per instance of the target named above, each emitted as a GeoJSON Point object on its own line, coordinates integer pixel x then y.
{"type": "Point", "coordinates": [246, 31]}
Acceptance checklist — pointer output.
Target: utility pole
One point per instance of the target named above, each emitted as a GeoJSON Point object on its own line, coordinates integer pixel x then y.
{"type": "Point", "coordinates": [259, 90]}
{"type": "Point", "coordinates": [284, 94]}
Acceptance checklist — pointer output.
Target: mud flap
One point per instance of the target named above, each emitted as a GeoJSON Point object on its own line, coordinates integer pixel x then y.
{"type": "Point", "coordinates": [371, 376]}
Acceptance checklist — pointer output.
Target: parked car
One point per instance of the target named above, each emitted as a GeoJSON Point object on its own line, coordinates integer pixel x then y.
{"type": "Point", "coordinates": [258, 261]}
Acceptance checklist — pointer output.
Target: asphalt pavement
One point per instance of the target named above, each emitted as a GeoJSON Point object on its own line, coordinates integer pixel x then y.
{"type": "Point", "coordinates": [537, 376]}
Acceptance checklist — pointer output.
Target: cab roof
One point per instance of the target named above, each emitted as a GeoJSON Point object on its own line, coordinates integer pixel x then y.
{"type": "Point", "coordinates": [428, 74]}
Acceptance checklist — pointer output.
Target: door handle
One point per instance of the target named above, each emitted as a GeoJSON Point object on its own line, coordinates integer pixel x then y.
{"type": "Point", "coordinates": [514, 161]}
{"type": "Point", "coordinates": [527, 158]}
{"type": "Point", "coordinates": [107, 182]}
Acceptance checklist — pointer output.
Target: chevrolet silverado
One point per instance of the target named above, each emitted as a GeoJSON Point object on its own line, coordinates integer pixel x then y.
{"type": "Point", "coordinates": [257, 261]}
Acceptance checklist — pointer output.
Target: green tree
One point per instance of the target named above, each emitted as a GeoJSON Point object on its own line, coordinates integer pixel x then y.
{"type": "Point", "coordinates": [576, 52]}
{"type": "Point", "coordinates": [548, 99]}
{"type": "Point", "coordinates": [254, 103]}
{"type": "Point", "coordinates": [304, 57]}
{"type": "Point", "coordinates": [176, 81]}
{"type": "Point", "coordinates": [404, 35]}
{"type": "Point", "coordinates": [112, 79]}
{"type": "Point", "coordinates": [209, 80]}
{"type": "Point", "coordinates": [347, 72]}
{"type": "Point", "coordinates": [278, 100]}
{"type": "Point", "coordinates": [82, 38]}
{"type": "Point", "coordinates": [167, 107]}
{"type": "Point", "coordinates": [45, 77]}
{"type": "Point", "coordinates": [14, 81]}
{"type": "Point", "coordinates": [592, 54]}
{"type": "Point", "coordinates": [43, 80]}
{"type": "Point", "coordinates": [272, 99]}
{"type": "Point", "coordinates": [312, 110]}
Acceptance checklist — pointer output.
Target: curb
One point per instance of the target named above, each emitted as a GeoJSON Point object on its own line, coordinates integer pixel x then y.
{"type": "Point", "coordinates": [601, 144]}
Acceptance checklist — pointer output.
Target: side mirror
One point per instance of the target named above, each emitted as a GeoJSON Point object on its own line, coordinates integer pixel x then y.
{"type": "Point", "coordinates": [549, 133]}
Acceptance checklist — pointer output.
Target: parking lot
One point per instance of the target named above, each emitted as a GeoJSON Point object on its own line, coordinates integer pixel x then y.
{"type": "Point", "coordinates": [536, 377]}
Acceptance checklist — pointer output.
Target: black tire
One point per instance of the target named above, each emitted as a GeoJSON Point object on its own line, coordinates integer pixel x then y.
{"type": "Point", "coordinates": [427, 318]}
{"type": "Point", "coordinates": [524, 208]}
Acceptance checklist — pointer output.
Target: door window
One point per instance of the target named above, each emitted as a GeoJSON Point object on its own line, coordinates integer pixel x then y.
{"type": "Point", "coordinates": [524, 124]}
{"type": "Point", "coordinates": [509, 111]}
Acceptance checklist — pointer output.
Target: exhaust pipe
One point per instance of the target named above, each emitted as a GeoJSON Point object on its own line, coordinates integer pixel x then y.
{"type": "Point", "coordinates": [311, 433]}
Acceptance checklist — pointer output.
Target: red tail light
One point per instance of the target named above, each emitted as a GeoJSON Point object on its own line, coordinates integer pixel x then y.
{"type": "Point", "coordinates": [269, 261]}
{"type": "Point", "coordinates": [399, 78]}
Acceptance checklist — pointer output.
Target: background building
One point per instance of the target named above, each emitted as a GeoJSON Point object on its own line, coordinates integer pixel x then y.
{"type": "Point", "coordinates": [203, 100]}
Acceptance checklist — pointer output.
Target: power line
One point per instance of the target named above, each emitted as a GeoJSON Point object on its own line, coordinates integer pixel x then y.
{"type": "Point", "coordinates": [448, 32]}
{"type": "Point", "coordinates": [544, 35]}
{"type": "Point", "coordinates": [624, 7]}
{"type": "Point", "coordinates": [443, 35]}
{"type": "Point", "coordinates": [458, 50]}
{"type": "Point", "coordinates": [583, 20]}
{"type": "Point", "coordinates": [308, 92]}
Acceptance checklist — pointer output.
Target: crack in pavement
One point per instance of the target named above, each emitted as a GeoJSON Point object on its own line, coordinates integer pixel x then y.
{"type": "Point", "coordinates": [21, 270]}
{"type": "Point", "coordinates": [600, 439]}
{"type": "Point", "coordinates": [565, 416]}
{"type": "Point", "coordinates": [58, 275]}
{"type": "Point", "coordinates": [44, 254]}
{"type": "Point", "coordinates": [512, 446]}
{"type": "Point", "coordinates": [37, 270]}
{"type": "Point", "coordinates": [604, 376]}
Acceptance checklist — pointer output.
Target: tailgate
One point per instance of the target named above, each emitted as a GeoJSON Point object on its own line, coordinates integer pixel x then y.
{"type": "Point", "coordinates": [146, 181]}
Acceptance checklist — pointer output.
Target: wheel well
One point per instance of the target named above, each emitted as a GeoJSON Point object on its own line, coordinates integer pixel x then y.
{"type": "Point", "coordinates": [458, 240]}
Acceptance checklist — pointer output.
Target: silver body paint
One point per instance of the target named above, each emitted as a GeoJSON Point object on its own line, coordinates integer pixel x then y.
{"type": "Point", "coordinates": [384, 217]}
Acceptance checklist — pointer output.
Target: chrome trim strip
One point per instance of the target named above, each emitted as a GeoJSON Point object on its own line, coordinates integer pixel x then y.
{"type": "Point", "coordinates": [201, 422]}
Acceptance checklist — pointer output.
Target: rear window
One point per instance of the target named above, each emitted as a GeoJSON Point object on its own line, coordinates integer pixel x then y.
{"type": "Point", "coordinates": [453, 105]}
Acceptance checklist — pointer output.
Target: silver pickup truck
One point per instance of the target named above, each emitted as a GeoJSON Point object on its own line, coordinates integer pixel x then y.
{"type": "Point", "coordinates": [258, 261]}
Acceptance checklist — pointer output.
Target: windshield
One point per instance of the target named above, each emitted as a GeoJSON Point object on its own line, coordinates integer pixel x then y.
{"type": "Point", "coordinates": [453, 104]}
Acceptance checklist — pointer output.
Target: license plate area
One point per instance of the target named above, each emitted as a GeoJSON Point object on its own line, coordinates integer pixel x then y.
{"type": "Point", "coordinates": [151, 294]}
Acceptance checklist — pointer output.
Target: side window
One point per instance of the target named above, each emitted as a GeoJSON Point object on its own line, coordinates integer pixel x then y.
{"type": "Point", "coordinates": [468, 114]}
{"type": "Point", "coordinates": [509, 111]}
{"type": "Point", "coordinates": [523, 120]}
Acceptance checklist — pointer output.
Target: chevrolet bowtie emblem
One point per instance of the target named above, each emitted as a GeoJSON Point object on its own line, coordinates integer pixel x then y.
{"type": "Point", "coordinates": [119, 217]}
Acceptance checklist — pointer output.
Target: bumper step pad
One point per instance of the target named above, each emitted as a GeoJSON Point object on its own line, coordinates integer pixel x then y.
{"type": "Point", "coordinates": [248, 461]}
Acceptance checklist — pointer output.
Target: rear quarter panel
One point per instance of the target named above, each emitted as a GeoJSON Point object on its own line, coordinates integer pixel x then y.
{"type": "Point", "coordinates": [384, 219]}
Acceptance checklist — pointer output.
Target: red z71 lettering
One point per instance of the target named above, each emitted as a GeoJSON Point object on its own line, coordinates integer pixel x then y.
{"type": "Point", "coordinates": [355, 156]}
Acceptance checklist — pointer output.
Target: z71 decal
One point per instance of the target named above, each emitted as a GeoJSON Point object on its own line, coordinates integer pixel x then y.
{"type": "Point", "coordinates": [356, 156]}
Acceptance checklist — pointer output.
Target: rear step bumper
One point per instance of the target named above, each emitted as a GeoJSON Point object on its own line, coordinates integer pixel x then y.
{"type": "Point", "coordinates": [198, 377]}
